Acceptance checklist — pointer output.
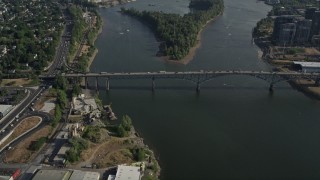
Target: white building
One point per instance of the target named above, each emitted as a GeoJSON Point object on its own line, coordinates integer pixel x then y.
{"type": "Point", "coordinates": [126, 172]}
{"type": "Point", "coordinates": [308, 67]}
{"type": "Point", "coordinates": [84, 175]}
{"type": "Point", "coordinates": [4, 110]}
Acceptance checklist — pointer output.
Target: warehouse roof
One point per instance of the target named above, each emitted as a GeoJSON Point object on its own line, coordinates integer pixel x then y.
{"type": "Point", "coordinates": [84, 175]}
{"type": "Point", "coordinates": [4, 108]}
{"type": "Point", "coordinates": [52, 175]}
{"type": "Point", "coordinates": [307, 64]}
{"type": "Point", "coordinates": [128, 172]}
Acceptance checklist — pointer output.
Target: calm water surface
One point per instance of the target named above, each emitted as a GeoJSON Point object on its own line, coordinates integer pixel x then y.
{"type": "Point", "coordinates": [234, 128]}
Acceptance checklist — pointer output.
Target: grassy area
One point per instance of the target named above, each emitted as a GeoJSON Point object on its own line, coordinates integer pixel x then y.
{"type": "Point", "coordinates": [15, 82]}
{"type": "Point", "coordinates": [22, 152]}
{"type": "Point", "coordinates": [23, 127]}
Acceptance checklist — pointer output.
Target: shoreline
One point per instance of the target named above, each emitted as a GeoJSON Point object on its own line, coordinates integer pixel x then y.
{"type": "Point", "coordinates": [136, 134]}
{"type": "Point", "coordinates": [307, 88]}
{"type": "Point", "coordinates": [192, 51]}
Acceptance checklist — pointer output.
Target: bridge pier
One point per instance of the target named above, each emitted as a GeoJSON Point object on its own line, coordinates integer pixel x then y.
{"type": "Point", "coordinates": [317, 83]}
{"type": "Point", "coordinates": [153, 84]}
{"type": "Point", "coordinates": [198, 87]}
{"type": "Point", "coordinates": [85, 82]}
{"type": "Point", "coordinates": [97, 84]}
{"type": "Point", "coordinates": [107, 84]}
{"type": "Point", "coordinates": [271, 87]}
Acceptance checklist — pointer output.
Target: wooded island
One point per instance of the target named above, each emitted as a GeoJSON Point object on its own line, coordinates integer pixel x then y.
{"type": "Point", "coordinates": [177, 33]}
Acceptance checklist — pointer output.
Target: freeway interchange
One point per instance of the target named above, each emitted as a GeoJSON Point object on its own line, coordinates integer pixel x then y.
{"type": "Point", "coordinates": [24, 108]}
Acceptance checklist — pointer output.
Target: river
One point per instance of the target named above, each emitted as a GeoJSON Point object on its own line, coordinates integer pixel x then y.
{"type": "Point", "coordinates": [234, 128]}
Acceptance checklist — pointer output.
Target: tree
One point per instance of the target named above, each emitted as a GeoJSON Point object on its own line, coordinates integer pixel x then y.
{"type": "Point", "coordinates": [60, 83]}
{"type": "Point", "coordinates": [76, 90]}
{"type": "Point", "coordinates": [121, 131]}
{"type": "Point", "coordinates": [62, 99]}
{"type": "Point", "coordinates": [126, 122]}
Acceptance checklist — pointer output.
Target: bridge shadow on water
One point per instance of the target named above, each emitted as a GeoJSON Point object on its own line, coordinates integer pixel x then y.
{"type": "Point", "coordinates": [188, 88]}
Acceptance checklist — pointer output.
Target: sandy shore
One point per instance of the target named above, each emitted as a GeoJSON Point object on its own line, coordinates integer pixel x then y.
{"type": "Point", "coordinates": [193, 50]}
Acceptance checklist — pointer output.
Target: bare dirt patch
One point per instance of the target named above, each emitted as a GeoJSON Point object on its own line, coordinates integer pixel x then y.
{"type": "Point", "coordinates": [311, 51]}
{"type": "Point", "coordinates": [47, 96]}
{"type": "Point", "coordinates": [109, 153]}
{"type": "Point", "coordinates": [24, 126]}
{"type": "Point", "coordinates": [15, 82]}
{"type": "Point", "coordinates": [21, 153]}
{"type": "Point", "coordinates": [84, 50]}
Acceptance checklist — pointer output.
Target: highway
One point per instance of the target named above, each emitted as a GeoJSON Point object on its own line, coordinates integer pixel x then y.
{"type": "Point", "coordinates": [34, 93]}
{"type": "Point", "coordinates": [19, 109]}
{"type": "Point", "coordinates": [45, 119]}
{"type": "Point", "coordinates": [165, 73]}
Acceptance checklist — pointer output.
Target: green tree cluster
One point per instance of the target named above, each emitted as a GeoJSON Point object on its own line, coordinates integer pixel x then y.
{"type": "Point", "coordinates": [57, 115]}
{"type": "Point", "coordinates": [92, 133]}
{"type": "Point", "coordinates": [125, 126]}
{"type": "Point", "coordinates": [61, 83]}
{"type": "Point", "coordinates": [77, 146]}
{"type": "Point", "coordinates": [179, 33]}
{"type": "Point", "coordinates": [138, 154]}
{"type": "Point", "coordinates": [36, 145]}
{"type": "Point", "coordinates": [79, 26]}
{"type": "Point", "coordinates": [62, 99]}
{"type": "Point", "coordinates": [24, 32]}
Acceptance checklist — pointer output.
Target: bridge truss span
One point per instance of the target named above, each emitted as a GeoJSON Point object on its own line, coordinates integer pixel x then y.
{"type": "Point", "coordinates": [198, 77]}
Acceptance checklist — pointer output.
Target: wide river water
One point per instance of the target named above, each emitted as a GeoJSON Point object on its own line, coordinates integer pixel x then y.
{"type": "Point", "coordinates": [234, 128]}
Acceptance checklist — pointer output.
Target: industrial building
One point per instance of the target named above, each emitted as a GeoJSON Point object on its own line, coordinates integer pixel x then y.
{"type": "Point", "coordinates": [308, 67]}
{"type": "Point", "coordinates": [287, 33]}
{"type": "Point", "coordinates": [84, 175]}
{"type": "Point", "coordinates": [126, 172]}
{"type": "Point", "coordinates": [315, 24]}
{"type": "Point", "coordinates": [303, 31]}
{"type": "Point", "coordinates": [281, 25]}
{"type": "Point", "coordinates": [4, 110]}
{"type": "Point", "coordinates": [50, 174]}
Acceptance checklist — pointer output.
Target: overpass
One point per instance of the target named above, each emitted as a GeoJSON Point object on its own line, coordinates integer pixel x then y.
{"type": "Point", "coordinates": [197, 77]}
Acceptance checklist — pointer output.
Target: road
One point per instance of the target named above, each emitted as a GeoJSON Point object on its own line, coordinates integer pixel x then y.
{"type": "Point", "coordinates": [45, 119]}
{"type": "Point", "coordinates": [19, 110]}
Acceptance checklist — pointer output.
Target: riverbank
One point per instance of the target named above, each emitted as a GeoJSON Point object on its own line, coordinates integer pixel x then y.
{"type": "Point", "coordinates": [266, 53]}
{"type": "Point", "coordinates": [112, 151]}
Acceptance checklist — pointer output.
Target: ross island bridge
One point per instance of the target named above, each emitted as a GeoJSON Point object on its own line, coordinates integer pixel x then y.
{"type": "Point", "coordinates": [196, 77]}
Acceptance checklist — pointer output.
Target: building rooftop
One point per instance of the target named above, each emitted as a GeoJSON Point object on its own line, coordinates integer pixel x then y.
{"type": "Point", "coordinates": [111, 177]}
{"type": "Point", "coordinates": [60, 157]}
{"type": "Point", "coordinates": [85, 105]}
{"type": "Point", "coordinates": [307, 64]}
{"type": "Point", "coordinates": [4, 109]}
{"type": "Point", "coordinates": [52, 175]}
{"type": "Point", "coordinates": [84, 175]}
{"type": "Point", "coordinates": [128, 172]}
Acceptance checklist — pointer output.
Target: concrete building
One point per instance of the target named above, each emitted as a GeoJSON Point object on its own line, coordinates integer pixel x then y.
{"type": "Point", "coordinates": [60, 158]}
{"type": "Point", "coordinates": [82, 105]}
{"type": "Point", "coordinates": [279, 21]}
{"type": "Point", "coordinates": [65, 175]}
{"type": "Point", "coordinates": [84, 175]}
{"type": "Point", "coordinates": [315, 28]}
{"type": "Point", "coordinates": [126, 172]}
{"type": "Point", "coordinates": [308, 67]}
{"type": "Point", "coordinates": [287, 33]}
{"type": "Point", "coordinates": [303, 31]}
{"type": "Point", "coordinates": [309, 13]}
{"type": "Point", "coordinates": [4, 110]}
{"type": "Point", "coordinates": [52, 174]}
